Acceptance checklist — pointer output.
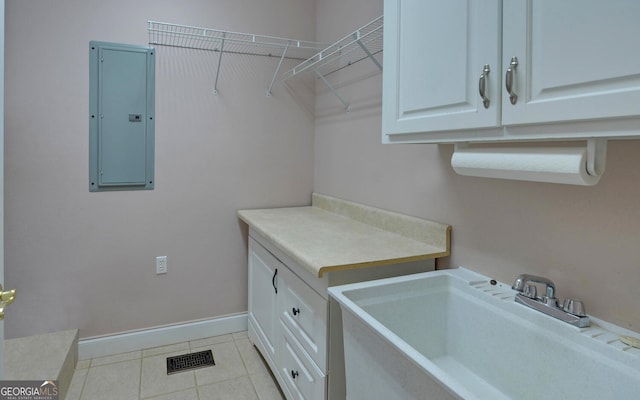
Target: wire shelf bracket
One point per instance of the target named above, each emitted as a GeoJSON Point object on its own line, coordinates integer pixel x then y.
{"type": "Point", "coordinates": [275, 75]}
{"type": "Point", "coordinates": [226, 42]}
{"type": "Point", "coordinates": [347, 106]}
{"type": "Point", "coordinates": [365, 43]}
{"type": "Point", "coordinates": [215, 85]}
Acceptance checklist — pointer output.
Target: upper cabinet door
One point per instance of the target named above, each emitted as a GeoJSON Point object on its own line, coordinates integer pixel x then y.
{"type": "Point", "coordinates": [577, 60]}
{"type": "Point", "coordinates": [435, 52]}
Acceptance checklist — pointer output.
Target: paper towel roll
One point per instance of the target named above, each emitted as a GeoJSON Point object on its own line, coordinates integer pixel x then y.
{"type": "Point", "coordinates": [539, 164]}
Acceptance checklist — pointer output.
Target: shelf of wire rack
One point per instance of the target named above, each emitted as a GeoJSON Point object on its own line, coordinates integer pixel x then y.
{"type": "Point", "coordinates": [364, 43]}
{"type": "Point", "coordinates": [226, 42]}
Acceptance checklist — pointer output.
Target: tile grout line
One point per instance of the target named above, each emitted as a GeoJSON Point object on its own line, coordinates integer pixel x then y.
{"type": "Point", "coordinates": [84, 381]}
{"type": "Point", "coordinates": [156, 396]}
{"type": "Point", "coordinates": [140, 379]}
{"type": "Point", "coordinates": [197, 390]}
{"type": "Point", "coordinates": [195, 376]}
{"type": "Point", "coordinates": [113, 362]}
{"type": "Point", "coordinates": [244, 363]}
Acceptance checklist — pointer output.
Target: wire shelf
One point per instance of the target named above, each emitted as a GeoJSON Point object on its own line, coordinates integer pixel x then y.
{"type": "Point", "coordinates": [364, 43]}
{"type": "Point", "coordinates": [357, 46]}
{"type": "Point", "coordinates": [191, 37]}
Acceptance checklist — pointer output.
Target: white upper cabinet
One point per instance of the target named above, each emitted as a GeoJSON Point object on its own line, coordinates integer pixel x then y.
{"type": "Point", "coordinates": [565, 69]}
{"type": "Point", "coordinates": [434, 55]}
{"type": "Point", "coordinates": [577, 59]}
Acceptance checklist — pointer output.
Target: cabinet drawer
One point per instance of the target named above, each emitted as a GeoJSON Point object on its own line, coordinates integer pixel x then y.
{"type": "Point", "coordinates": [302, 377]}
{"type": "Point", "coordinates": [304, 312]}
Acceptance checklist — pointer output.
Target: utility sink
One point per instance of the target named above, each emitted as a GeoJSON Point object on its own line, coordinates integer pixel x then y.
{"type": "Point", "coordinates": [456, 334]}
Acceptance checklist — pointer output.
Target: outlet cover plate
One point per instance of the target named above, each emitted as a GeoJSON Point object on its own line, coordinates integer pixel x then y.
{"type": "Point", "coordinates": [161, 265]}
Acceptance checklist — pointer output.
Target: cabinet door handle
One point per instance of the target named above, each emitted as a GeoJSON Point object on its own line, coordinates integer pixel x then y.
{"type": "Point", "coordinates": [508, 80]}
{"type": "Point", "coordinates": [482, 85]}
{"type": "Point", "coordinates": [273, 280]}
{"type": "Point", "coordinates": [294, 374]}
{"type": "Point", "coordinates": [296, 311]}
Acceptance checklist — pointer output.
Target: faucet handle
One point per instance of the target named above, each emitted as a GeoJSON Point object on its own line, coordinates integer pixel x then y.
{"type": "Point", "coordinates": [519, 283]}
{"type": "Point", "coordinates": [531, 291]}
{"type": "Point", "coordinates": [574, 307]}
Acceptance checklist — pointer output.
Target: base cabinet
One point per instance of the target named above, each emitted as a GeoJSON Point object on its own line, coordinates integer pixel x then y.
{"type": "Point", "coordinates": [288, 324]}
{"type": "Point", "coordinates": [295, 326]}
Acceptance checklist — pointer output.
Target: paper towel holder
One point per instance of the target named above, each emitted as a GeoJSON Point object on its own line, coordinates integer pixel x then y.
{"type": "Point", "coordinates": [569, 165]}
{"type": "Point", "coordinates": [596, 156]}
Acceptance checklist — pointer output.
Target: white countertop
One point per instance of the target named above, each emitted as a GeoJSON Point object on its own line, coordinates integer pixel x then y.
{"type": "Point", "coordinates": [335, 234]}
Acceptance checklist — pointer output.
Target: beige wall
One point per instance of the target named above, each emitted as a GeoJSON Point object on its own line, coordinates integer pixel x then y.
{"type": "Point", "coordinates": [586, 239]}
{"type": "Point", "coordinates": [87, 260]}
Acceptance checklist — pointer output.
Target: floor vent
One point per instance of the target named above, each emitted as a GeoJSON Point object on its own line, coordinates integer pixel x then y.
{"type": "Point", "coordinates": [189, 361]}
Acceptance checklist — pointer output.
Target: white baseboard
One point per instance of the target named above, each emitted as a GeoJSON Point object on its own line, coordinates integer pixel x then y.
{"type": "Point", "coordinates": [160, 336]}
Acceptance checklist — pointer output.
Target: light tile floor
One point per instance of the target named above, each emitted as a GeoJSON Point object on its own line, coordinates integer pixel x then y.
{"type": "Point", "coordinates": [240, 373]}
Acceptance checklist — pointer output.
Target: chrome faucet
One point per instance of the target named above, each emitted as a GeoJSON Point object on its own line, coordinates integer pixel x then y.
{"type": "Point", "coordinates": [520, 284]}
{"type": "Point", "coordinates": [572, 311]}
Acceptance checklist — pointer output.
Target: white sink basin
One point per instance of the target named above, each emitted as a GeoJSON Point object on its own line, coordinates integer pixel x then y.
{"type": "Point", "coordinates": [452, 334]}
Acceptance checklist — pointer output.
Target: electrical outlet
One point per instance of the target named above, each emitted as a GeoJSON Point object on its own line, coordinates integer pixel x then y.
{"type": "Point", "coordinates": [161, 265]}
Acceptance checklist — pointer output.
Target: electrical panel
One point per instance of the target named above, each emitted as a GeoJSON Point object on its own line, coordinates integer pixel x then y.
{"type": "Point", "coordinates": [121, 116]}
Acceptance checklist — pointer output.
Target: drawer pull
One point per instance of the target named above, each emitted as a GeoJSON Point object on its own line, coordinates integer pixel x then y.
{"type": "Point", "coordinates": [273, 280]}
{"type": "Point", "coordinates": [294, 374]}
{"type": "Point", "coordinates": [296, 311]}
